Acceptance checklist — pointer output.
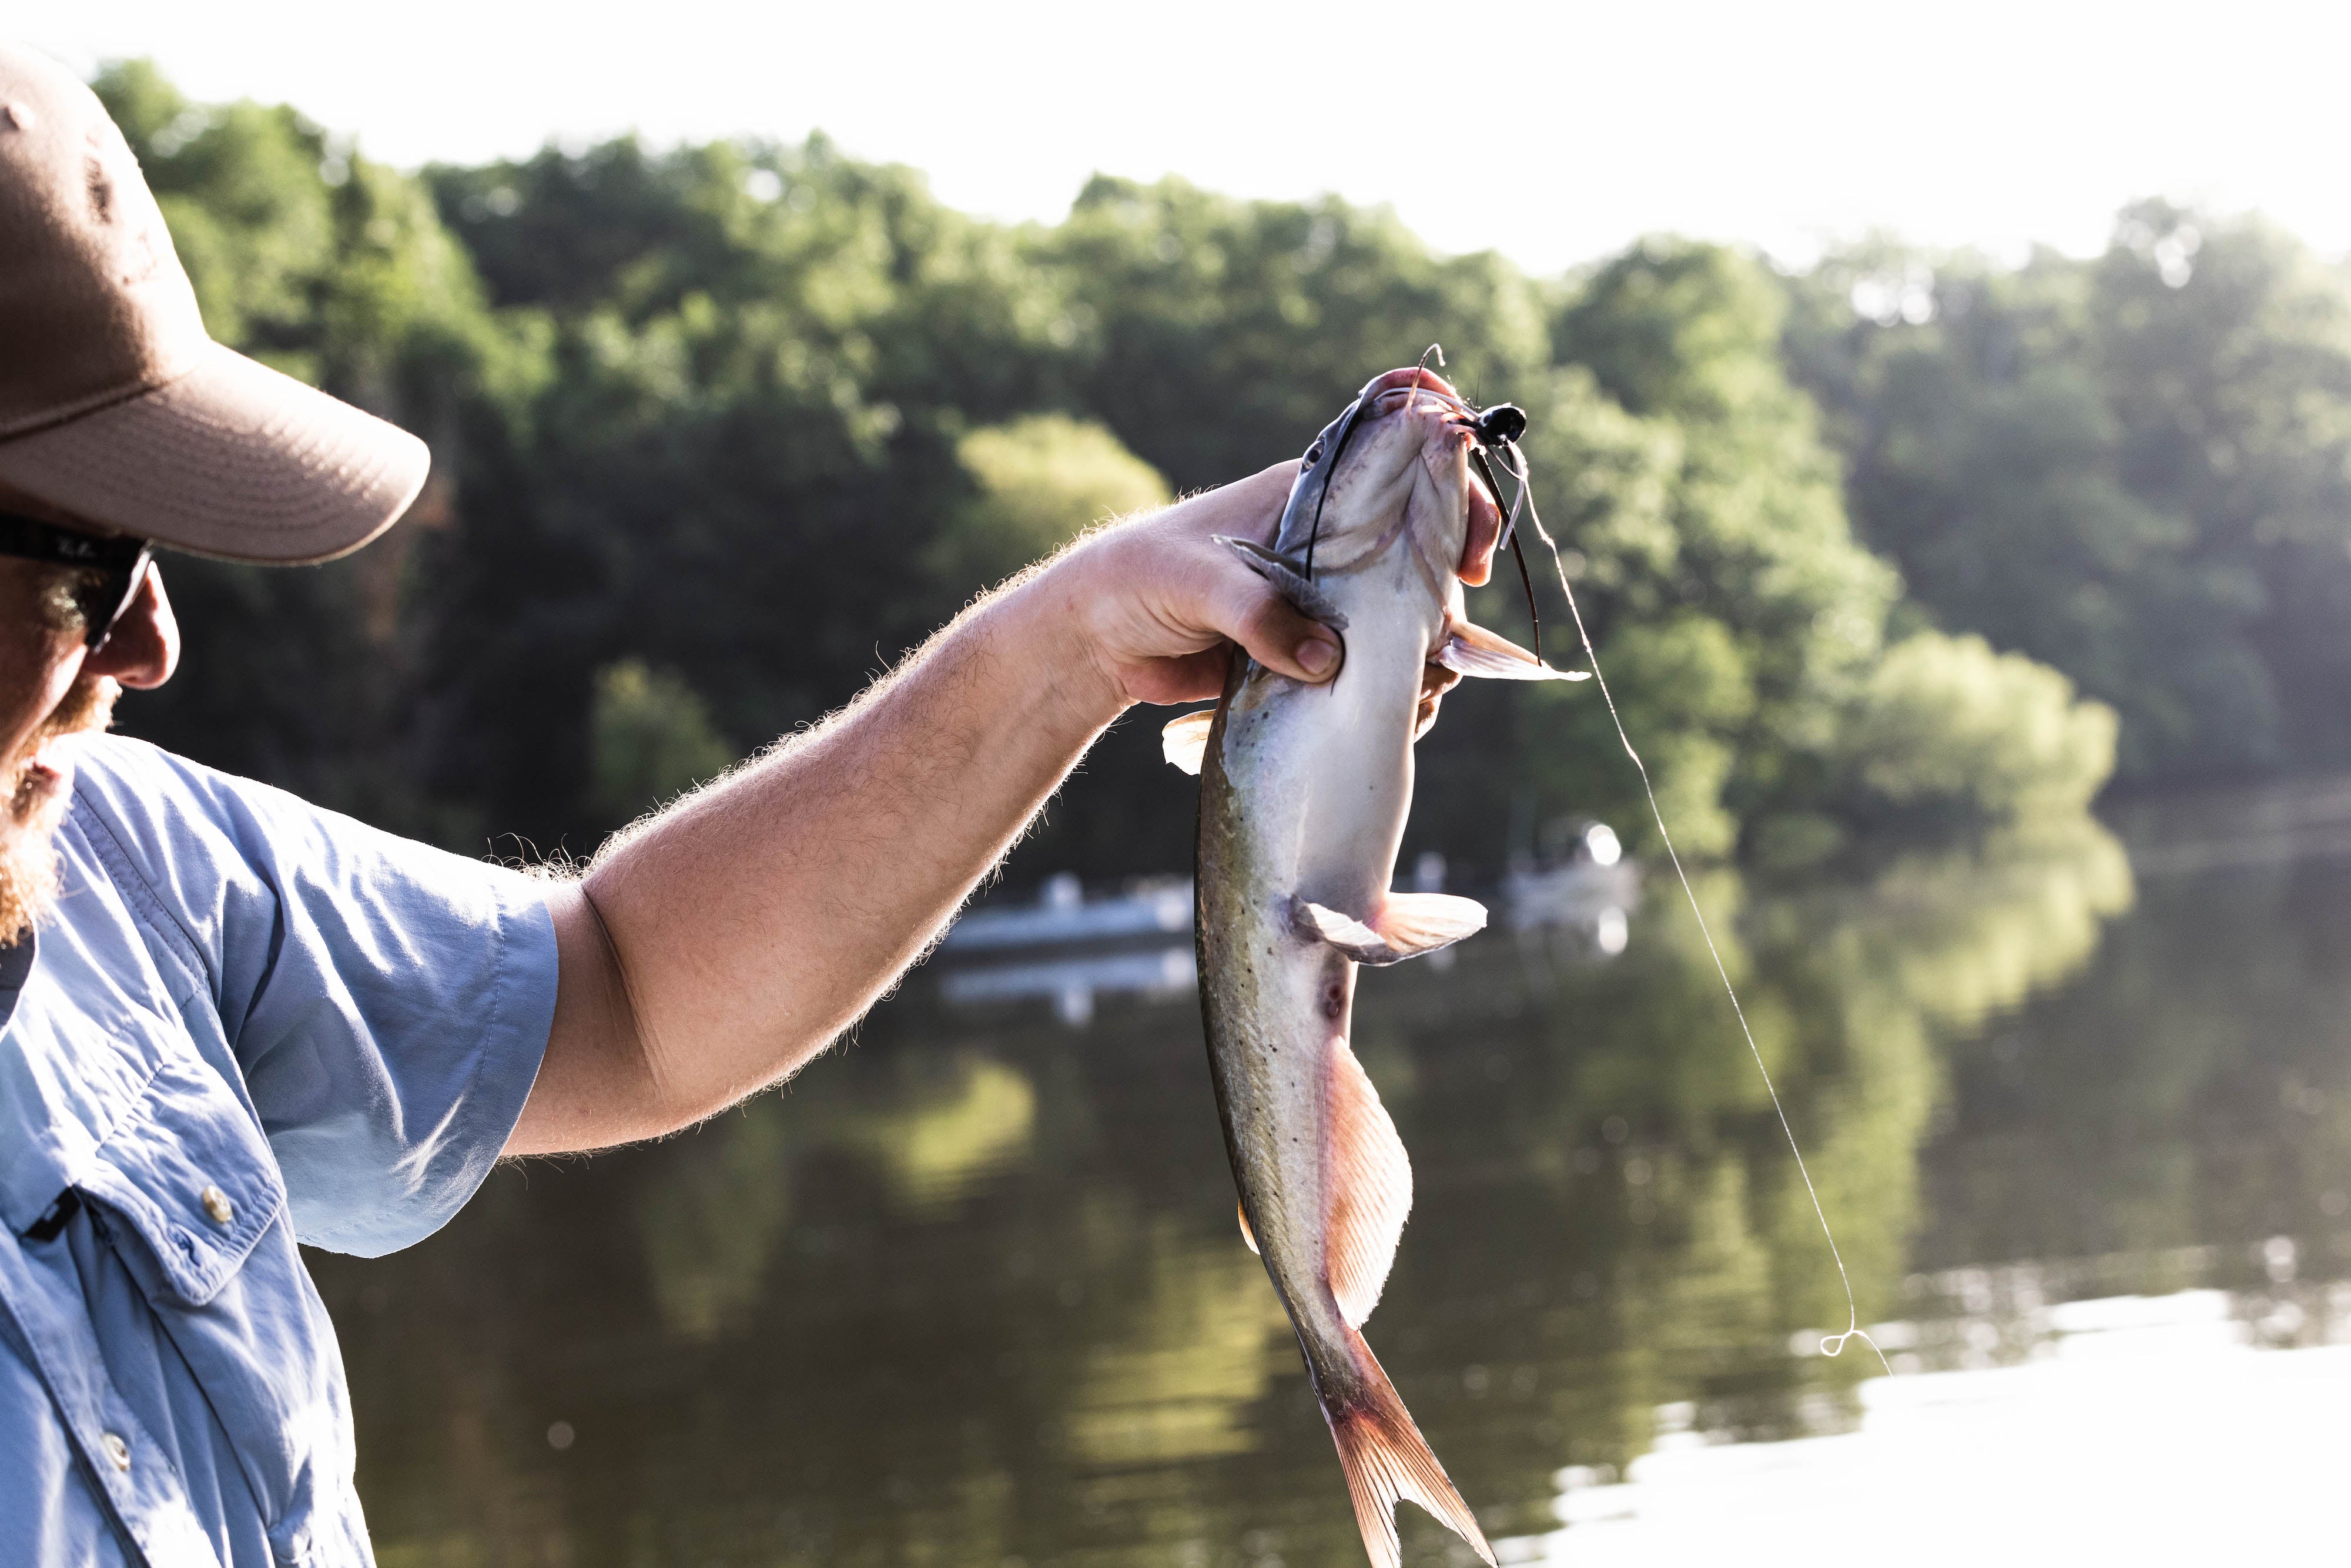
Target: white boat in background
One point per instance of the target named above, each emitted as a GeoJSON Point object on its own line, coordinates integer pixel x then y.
{"type": "Point", "coordinates": [1071, 950]}
{"type": "Point", "coordinates": [1584, 887]}
{"type": "Point", "coordinates": [1062, 915]}
{"type": "Point", "coordinates": [1123, 948]}
{"type": "Point", "coordinates": [1154, 973]}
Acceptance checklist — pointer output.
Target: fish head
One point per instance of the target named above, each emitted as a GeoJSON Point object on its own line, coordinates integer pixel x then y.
{"type": "Point", "coordinates": [1397, 455]}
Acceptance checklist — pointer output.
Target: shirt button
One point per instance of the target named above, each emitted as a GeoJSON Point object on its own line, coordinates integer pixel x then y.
{"type": "Point", "coordinates": [117, 1452]}
{"type": "Point", "coordinates": [217, 1204]}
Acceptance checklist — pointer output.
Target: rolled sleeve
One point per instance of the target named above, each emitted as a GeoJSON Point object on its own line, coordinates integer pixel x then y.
{"type": "Point", "coordinates": [387, 1004]}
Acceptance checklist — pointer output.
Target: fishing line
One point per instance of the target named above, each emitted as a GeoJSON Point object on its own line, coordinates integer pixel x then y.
{"type": "Point", "coordinates": [1831, 1344]}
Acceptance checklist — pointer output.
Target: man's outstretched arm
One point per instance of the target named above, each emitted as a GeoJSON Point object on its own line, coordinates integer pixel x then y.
{"type": "Point", "coordinates": [720, 945]}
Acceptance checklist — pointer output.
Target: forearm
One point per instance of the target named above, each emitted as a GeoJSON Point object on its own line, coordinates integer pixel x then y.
{"type": "Point", "coordinates": [751, 923]}
{"type": "Point", "coordinates": [720, 946]}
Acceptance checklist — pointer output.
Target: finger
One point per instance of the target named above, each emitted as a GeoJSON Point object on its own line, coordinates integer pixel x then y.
{"type": "Point", "coordinates": [1436, 680]}
{"type": "Point", "coordinates": [1245, 608]}
{"type": "Point", "coordinates": [1485, 534]}
{"type": "Point", "coordinates": [1194, 677]}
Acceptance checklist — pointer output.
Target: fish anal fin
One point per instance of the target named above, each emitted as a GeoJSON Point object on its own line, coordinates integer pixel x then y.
{"type": "Point", "coordinates": [1473, 651]}
{"type": "Point", "coordinates": [1183, 741]}
{"type": "Point", "coordinates": [1386, 1459]}
{"type": "Point", "coordinates": [1369, 1180]}
{"type": "Point", "coordinates": [1247, 1235]}
{"type": "Point", "coordinates": [1406, 926]}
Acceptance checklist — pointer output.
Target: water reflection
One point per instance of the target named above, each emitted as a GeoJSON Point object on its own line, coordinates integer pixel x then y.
{"type": "Point", "coordinates": [972, 1291]}
{"type": "Point", "coordinates": [2147, 1430]}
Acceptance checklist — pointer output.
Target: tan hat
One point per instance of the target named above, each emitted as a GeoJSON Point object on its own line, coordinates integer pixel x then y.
{"type": "Point", "coordinates": [115, 407]}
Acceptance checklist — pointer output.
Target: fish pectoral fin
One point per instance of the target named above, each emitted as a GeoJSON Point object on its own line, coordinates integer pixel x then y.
{"type": "Point", "coordinates": [1345, 932]}
{"type": "Point", "coordinates": [1289, 582]}
{"type": "Point", "coordinates": [1418, 923]}
{"type": "Point", "coordinates": [1474, 651]}
{"type": "Point", "coordinates": [1247, 1235]}
{"type": "Point", "coordinates": [1183, 741]}
{"type": "Point", "coordinates": [1406, 926]}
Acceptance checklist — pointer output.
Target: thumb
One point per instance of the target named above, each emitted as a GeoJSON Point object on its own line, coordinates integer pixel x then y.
{"type": "Point", "coordinates": [1246, 607]}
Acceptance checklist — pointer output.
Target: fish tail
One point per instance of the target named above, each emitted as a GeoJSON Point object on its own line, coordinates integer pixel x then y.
{"type": "Point", "coordinates": [1386, 1458]}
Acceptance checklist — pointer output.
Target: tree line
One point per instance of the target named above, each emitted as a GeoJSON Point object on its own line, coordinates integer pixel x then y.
{"type": "Point", "coordinates": [1900, 543]}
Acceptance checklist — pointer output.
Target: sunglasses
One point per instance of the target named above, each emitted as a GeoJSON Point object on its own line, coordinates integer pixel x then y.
{"type": "Point", "coordinates": [111, 569]}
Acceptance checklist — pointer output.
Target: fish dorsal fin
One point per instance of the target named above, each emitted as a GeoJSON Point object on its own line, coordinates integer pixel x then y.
{"type": "Point", "coordinates": [1474, 651]}
{"type": "Point", "coordinates": [1406, 926]}
{"type": "Point", "coordinates": [1247, 1235]}
{"type": "Point", "coordinates": [1184, 741]}
{"type": "Point", "coordinates": [1370, 1189]}
{"type": "Point", "coordinates": [1287, 581]}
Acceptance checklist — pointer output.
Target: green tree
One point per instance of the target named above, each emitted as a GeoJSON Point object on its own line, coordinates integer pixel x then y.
{"type": "Point", "coordinates": [761, 416]}
{"type": "Point", "coordinates": [2136, 469]}
{"type": "Point", "coordinates": [1042, 480]}
{"type": "Point", "coordinates": [1216, 336]}
{"type": "Point", "coordinates": [1944, 724]}
{"type": "Point", "coordinates": [1738, 621]}
{"type": "Point", "coordinates": [335, 270]}
{"type": "Point", "coordinates": [653, 740]}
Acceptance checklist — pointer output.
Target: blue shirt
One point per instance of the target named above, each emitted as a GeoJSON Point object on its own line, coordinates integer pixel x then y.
{"type": "Point", "coordinates": [252, 1022]}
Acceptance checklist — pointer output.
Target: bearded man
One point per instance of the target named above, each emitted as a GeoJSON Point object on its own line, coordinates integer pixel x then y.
{"type": "Point", "coordinates": [230, 1021]}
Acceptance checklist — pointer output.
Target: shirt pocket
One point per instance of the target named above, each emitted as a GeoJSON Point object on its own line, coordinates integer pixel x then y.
{"type": "Point", "coordinates": [189, 1171]}
{"type": "Point", "coordinates": [196, 1209]}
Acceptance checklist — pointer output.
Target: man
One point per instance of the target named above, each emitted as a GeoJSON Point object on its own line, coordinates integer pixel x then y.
{"type": "Point", "coordinates": [229, 1020]}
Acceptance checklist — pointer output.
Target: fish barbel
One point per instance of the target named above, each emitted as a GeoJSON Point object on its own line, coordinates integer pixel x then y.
{"type": "Point", "coordinates": [1303, 794]}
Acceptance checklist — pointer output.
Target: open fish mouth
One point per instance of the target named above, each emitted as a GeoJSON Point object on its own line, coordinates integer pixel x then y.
{"type": "Point", "coordinates": [1478, 431]}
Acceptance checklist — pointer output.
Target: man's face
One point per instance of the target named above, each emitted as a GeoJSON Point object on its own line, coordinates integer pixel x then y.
{"type": "Point", "coordinates": [51, 688]}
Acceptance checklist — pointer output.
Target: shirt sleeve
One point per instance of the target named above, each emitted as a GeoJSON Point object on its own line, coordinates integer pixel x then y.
{"type": "Point", "coordinates": [387, 1004]}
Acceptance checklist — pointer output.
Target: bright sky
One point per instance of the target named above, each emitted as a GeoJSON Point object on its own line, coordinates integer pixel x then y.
{"type": "Point", "coordinates": [1552, 132]}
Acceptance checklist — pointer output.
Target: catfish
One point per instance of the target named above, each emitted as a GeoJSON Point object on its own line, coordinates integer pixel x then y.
{"type": "Point", "coordinates": [1303, 794]}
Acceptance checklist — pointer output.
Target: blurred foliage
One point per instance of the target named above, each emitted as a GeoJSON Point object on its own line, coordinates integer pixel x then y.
{"type": "Point", "coordinates": [1944, 724]}
{"type": "Point", "coordinates": [338, 271]}
{"type": "Point", "coordinates": [759, 417]}
{"type": "Point", "coordinates": [652, 739]}
{"type": "Point", "coordinates": [1042, 480]}
{"type": "Point", "coordinates": [2134, 467]}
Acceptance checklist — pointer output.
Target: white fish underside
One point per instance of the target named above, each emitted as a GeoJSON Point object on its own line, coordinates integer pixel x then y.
{"type": "Point", "coordinates": [1304, 792]}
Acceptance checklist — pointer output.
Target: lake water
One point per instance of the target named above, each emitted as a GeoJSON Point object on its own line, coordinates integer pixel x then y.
{"type": "Point", "coordinates": [971, 1292]}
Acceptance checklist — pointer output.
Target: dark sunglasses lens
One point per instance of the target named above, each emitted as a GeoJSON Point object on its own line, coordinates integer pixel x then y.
{"type": "Point", "coordinates": [103, 597]}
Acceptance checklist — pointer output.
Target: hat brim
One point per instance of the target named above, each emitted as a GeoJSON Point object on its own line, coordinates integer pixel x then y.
{"type": "Point", "coordinates": [230, 459]}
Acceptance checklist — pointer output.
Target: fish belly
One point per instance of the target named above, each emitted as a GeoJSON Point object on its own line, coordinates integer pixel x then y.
{"type": "Point", "coordinates": [1298, 798]}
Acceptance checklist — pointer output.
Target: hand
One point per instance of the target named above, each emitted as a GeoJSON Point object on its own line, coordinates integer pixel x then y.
{"type": "Point", "coordinates": [1154, 603]}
